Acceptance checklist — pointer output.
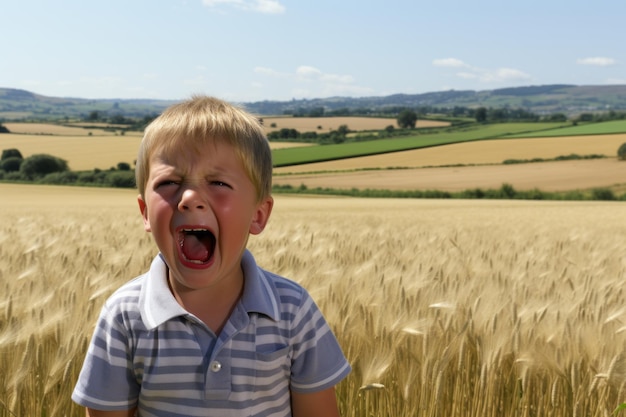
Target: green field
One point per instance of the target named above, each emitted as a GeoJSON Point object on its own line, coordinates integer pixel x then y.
{"type": "Point", "coordinates": [296, 156]}
{"type": "Point", "coordinates": [603, 128]}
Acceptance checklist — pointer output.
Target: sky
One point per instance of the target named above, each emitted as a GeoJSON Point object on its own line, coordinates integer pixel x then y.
{"type": "Point", "coordinates": [255, 50]}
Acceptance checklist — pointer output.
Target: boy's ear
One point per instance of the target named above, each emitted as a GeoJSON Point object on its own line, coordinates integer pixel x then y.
{"type": "Point", "coordinates": [143, 208]}
{"type": "Point", "coordinates": [261, 216]}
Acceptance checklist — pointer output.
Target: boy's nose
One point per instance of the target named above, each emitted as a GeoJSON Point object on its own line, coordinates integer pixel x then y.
{"type": "Point", "coordinates": [191, 199]}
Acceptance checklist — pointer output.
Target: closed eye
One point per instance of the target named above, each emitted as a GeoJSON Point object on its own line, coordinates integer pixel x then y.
{"type": "Point", "coordinates": [166, 183]}
{"type": "Point", "coordinates": [220, 184]}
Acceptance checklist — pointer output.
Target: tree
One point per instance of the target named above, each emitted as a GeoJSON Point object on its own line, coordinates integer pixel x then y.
{"type": "Point", "coordinates": [481, 114]}
{"type": "Point", "coordinates": [123, 166]}
{"type": "Point", "coordinates": [343, 130]}
{"type": "Point", "coordinates": [11, 164]}
{"type": "Point", "coordinates": [621, 152]}
{"type": "Point", "coordinates": [94, 115]}
{"type": "Point", "coordinates": [11, 153]}
{"type": "Point", "coordinates": [40, 165]}
{"type": "Point", "coordinates": [407, 119]}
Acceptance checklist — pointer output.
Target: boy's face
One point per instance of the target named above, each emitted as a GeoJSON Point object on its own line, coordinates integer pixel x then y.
{"type": "Point", "coordinates": [201, 208]}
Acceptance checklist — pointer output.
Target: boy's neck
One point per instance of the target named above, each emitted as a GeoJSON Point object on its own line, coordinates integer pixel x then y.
{"type": "Point", "coordinates": [212, 305]}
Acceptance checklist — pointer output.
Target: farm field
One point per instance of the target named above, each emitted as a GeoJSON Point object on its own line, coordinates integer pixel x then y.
{"type": "Point", "coordinates": [473, 153]}
{"type": "Point", "coordinates": [313, 124]}
{"type": "Point", "coordinates": [443, 307]}
{"type": "Point", "coordinates": [104, 152]}
{"type": "Point", "coordinates": [88, 152]}
{"type": "Point", "coordinates": [53, 129]}
{"type": "Point", "coordinates": [545, 176]}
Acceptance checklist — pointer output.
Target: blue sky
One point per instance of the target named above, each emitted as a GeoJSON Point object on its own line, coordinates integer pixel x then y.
{"type": "Point", "coordinates": [252, 50]}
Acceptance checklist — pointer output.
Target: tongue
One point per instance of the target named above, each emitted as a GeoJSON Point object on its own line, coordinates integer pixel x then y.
{"type": "Point", "coordinates": [196, 248]}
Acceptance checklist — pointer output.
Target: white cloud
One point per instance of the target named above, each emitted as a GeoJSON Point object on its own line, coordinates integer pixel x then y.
{"type": "Point", "coordinates": [510, 74]}
{"type": "Point", "coordinates": [449, 62]}
{"type": "Point", "coordinates": [597, 61]}
{"type": "Point", "coordinates": [269, 6]}
{"type": "Point", "coordinates": [309, 81]}
{"type": "Point", "coordinates": [498, 75]}
{"type": "Point", "coordinates": [259, 6]}
{"type": "Point", "coordinates": [308, 73]}
{"type": "Point", "coordinates": [305, 71]}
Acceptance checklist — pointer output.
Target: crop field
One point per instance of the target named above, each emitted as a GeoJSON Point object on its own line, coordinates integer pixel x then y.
{"type": "Point", "coordinates": [482, 167]}
{"type": "Point", "coordinates": [545, 176]}
{"type": "Point", "coordinates": [326, 124]}
{"type": "Point", "coordinates": [288, 157]}
{"type": "Point", "coordinates": [88, 152]}
{"type": "Point", "coordinates": [444, 308]}
{"type": "Point", "coordinates": [473, 153]}
{"type": "Point", "coordinates": [54, 129]}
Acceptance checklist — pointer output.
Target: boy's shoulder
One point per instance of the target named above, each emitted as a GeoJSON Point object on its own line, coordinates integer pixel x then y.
{"type": "Point", "coordinates": [128, 292]}
{"type": "Point", "coordinates": [270, 292]}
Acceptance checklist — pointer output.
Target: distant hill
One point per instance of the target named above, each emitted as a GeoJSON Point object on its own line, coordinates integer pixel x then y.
{"type": "Point", "coordinates": [22, 104]}
{"type": "Point", "coordinates": [569, 99]}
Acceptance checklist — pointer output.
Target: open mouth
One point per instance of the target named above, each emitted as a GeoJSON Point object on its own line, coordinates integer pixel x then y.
{"type": "Point", "coordinates": [196, 245]}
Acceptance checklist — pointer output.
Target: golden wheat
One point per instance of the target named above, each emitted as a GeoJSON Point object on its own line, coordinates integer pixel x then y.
{"type": "Point", "coordinates": [444, 308]}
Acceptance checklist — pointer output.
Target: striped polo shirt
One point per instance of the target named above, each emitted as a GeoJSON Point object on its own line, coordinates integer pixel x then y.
{"type": "Point", "coordinates": [150, 353]}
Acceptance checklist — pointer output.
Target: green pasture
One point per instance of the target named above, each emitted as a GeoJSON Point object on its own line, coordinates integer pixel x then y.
{"type": "Point", "coordinates": [310, 154]}
{"type": "Point", "coordinates": [598, 128]}
{"type": "Point", "coordinates": [306, 155]}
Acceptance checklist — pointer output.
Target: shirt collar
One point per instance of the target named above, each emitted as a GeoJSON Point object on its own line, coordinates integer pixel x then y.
{"type": "Point", "coordinates": [158, 305]}
{"type": "Point", "coordinates": [259, 293]}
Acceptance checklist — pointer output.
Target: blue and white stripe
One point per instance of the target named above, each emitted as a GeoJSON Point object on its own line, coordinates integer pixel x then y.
{"type": "Point", "coordinates": [147, 351]}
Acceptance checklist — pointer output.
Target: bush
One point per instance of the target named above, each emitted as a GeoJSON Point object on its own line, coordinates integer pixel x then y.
{"type": "Point", "coordinates": [621, 152]}
{"type": "Point", "coordinates": [10, 153]}
{"type": "Point", "coordinates": [121, 179]}
{"type": "Point", "coordinates": [60, 178]}
{"type": "Point", "coordinates": [11, 164]}
{"type": "Point", "coordinates": [604, 194]}
{"type": "Point", "coordinates": [13, 176]}
{"type": "Point", "coordinates": [40, 165]}
{"type": "Point", "coordinates": [123, 166]}
{"type": "Point", "coordinates": [86, 177]}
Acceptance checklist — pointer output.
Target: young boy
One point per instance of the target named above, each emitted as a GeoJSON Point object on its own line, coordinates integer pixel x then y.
{"type": "Point", "coordinates": [206, 332]}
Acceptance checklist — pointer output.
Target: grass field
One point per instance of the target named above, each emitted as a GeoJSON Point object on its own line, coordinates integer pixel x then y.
{"type": "Point", "coordinates": [488, 172]}
{"type": "Point", "coordinates": [473, 153]}
{"type": "Point", "coordinates": [296, 156]}
{"type": "Point", "coordinates": [604, 128]}
{"type": "Point", "coordinates": [444, 308]}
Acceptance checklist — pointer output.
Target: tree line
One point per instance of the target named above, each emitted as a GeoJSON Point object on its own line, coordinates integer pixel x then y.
{"type": "Point", "coordinates": [49, 169]}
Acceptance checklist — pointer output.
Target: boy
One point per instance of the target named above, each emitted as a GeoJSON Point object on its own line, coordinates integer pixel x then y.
{"type": "Point", "coordinates": [206, 332]}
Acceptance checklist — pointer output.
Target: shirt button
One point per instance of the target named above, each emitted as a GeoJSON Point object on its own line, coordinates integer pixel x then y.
{"type": "Point", "coordinates": [216, 366]}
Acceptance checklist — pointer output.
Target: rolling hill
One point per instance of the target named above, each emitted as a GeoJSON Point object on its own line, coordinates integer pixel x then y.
{"type": "Point", "coordinates": [570, 99]}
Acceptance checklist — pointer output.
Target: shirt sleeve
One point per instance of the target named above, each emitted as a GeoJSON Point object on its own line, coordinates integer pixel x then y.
{"type": "Point", "coordinates": [318, 362]}
{"type": "Point", "coordinates": [107, 381]}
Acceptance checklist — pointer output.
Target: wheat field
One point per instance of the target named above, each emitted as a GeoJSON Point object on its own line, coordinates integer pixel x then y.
{"type": "Point", "coordinates": [444, 308]}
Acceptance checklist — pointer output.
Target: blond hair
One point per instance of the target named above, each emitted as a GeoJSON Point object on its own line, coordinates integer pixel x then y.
{"type": "Point", "coordinates": [203, 120]}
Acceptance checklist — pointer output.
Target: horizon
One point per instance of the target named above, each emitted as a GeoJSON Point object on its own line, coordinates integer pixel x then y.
{"type": "Point", "coordinates": [279, 50]}
{"type": "Point", "coordinates": [304, 99]}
